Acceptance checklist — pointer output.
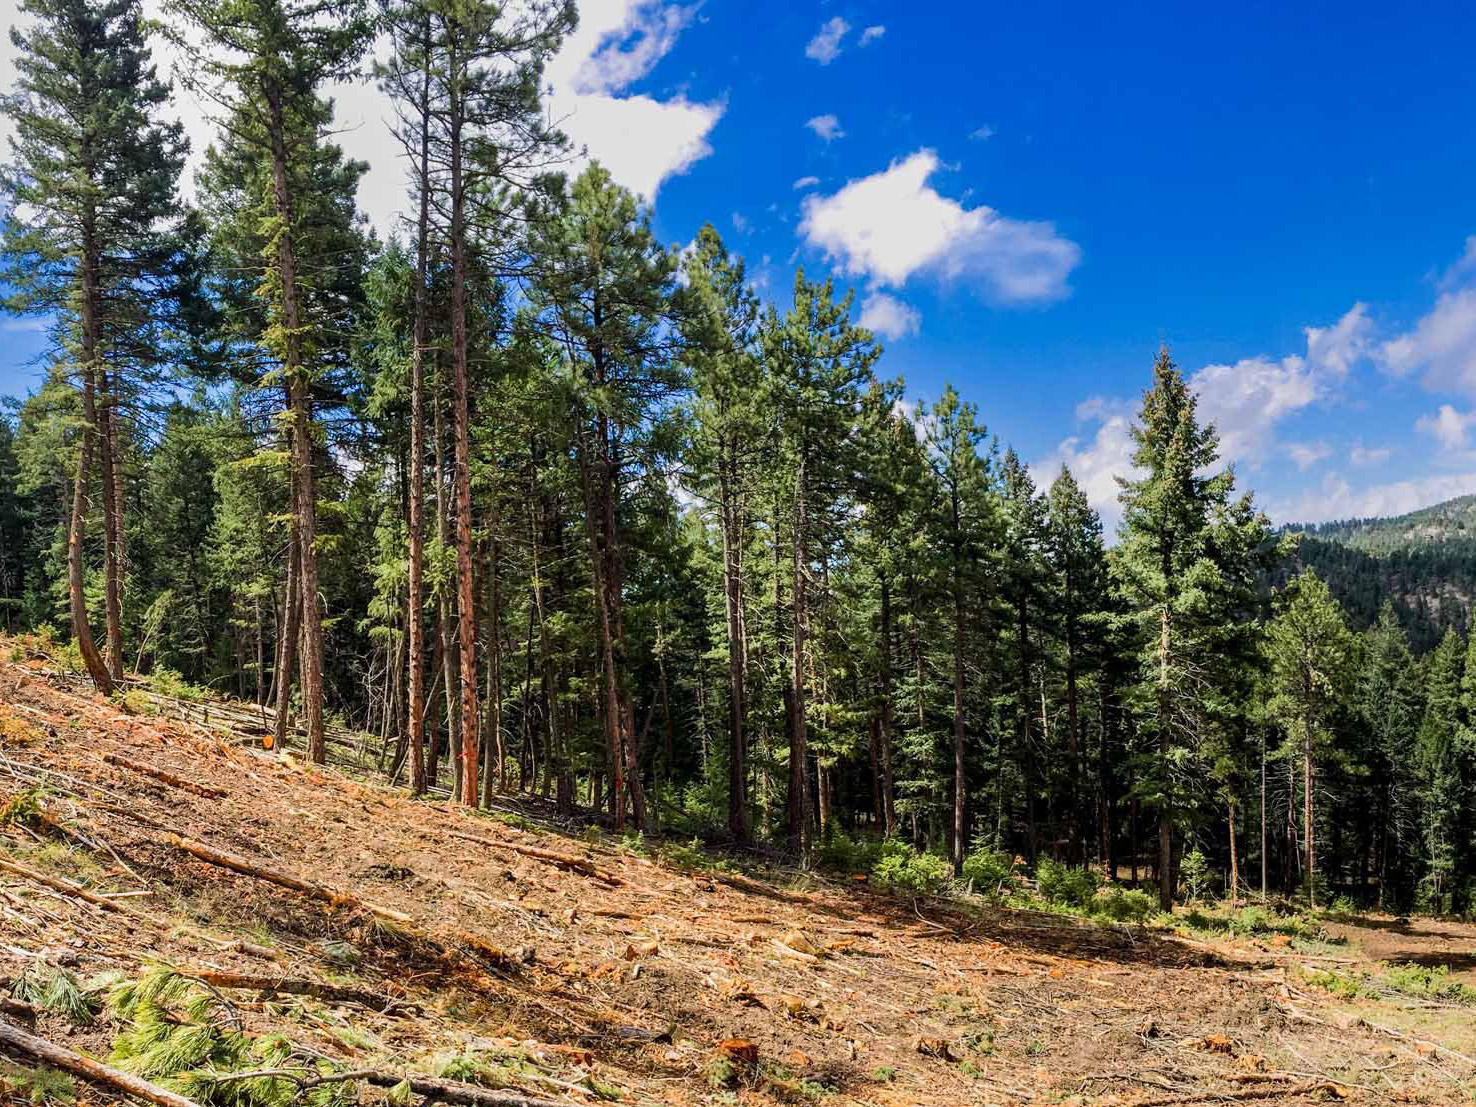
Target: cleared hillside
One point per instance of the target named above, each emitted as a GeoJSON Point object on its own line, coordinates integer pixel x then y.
{"type": "Point", "coordinates": [330, 930]}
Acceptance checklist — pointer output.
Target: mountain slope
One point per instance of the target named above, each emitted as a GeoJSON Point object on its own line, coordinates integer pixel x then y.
{"type": "Point", "coordinates": [1424, 562]}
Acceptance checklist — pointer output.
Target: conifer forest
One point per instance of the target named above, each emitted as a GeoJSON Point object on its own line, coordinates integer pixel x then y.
{"type": "Point", "coordinates": [535, 506]}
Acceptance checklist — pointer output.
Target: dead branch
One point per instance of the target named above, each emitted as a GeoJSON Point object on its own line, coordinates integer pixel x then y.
{"type": "Point", "coordinates": [1269, 1091]}
{"type": "Point", "coordinates": [16, 1040]}
{"type": "Point", "coordinates": [564, 861]}
{"type": "Point", "coordinates": [447, 1091]}
{"type": "Point", "coordinates": [332, 897]}
{"type": "Point", "coordinates": [315, 989]}
{"type": "Point", "coordinates": [76, 891]}
{"type": "Point", "coordinates": [206, 790]}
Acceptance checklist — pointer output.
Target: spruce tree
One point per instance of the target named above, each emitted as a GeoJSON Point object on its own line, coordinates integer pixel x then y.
{"type": "Point", "coordinates": [90, 184]}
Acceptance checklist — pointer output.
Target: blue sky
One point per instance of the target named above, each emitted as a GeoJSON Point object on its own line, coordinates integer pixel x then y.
{"type": "Point", "coordinates": [1029, 199]}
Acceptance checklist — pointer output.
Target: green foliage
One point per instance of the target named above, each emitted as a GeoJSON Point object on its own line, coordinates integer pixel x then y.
{"type": "Point", "coordinates": [991, 872]}
{"type": "Point", "coordinates": [23, 1085]}
{"type": "Point", "coordinates": [167, 682]}
{"type": "Point", "coordinates": [904, 870]}
{"type": "Point", "coordinates": [1122, 905]}
{"type": "Point", "coordinates": [58, 991]}
{"type": "Point", "coordinates": [1195, 874]}
{"type": "Point", "coordinates": [1068, 887]}
{"type": "Point", "coordinates": [23, 807]}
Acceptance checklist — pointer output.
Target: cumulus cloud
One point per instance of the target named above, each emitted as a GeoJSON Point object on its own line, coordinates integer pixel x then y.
{"type": "Point", "coordinates": [1307, 454]}
{"type": "Point", "coordinates": [1096, 460]}
{"type": "Point", "coordinates": [1246, 400]}
{"type": "Point", "coordinates": [893, 225]}
{"type": "Point", "coordinates": [1363, 456]}
{"type": "Point", "coordinates": [825, 47]}
{"type": "Point", "coordinates": [826, 126]}
{"type": "Point", "coordinates": [643, 141]}
{"type": "Point", "coordinates": [1336, 498]}
{"type": "Point", "coordinates": [888, 317]}
{"type": "Point", "coordinates": [872, 33]}
{"type": "Point", "coordinates": [1449, 427]}
{"type": "Point", "coordinates": [1441, 345]}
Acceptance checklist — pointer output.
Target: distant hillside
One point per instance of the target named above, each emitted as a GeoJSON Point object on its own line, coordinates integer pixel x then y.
{"type": "Point", "coordinates": [1424, 561]}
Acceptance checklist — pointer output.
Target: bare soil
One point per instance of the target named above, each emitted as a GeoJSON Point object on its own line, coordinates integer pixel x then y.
{"type": "Point", "coordinates": [608, 972]}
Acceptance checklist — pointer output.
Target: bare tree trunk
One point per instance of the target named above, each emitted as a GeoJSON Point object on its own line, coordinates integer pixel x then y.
{"type": "Point", "coordinates": [1165, 815]}
{"type": "Point", "coordinates": [461, 426]}
{"type": "Point", "coordinates": [884, 730]}
{"type": "Point", "coordinates": [76, 532]}
{"type": "Point", "coordinates": [112, 513]}
{"type": "Point", "coordinates": [960, 783]}
{"type": "Point", "coordinates": [305, 508]}
{"type": "Point", "coordinates": [798, 786]}
{"type": "Point", "coordinates": [1309, 819]}
{"type": "Point", "coordinates": [415, 614]}
{"type": "Point", "coordinates": [287, 647]}
{"type": "Point", "coordinates": [1234, 857]}
{"type": "Point", "coordinates": [739, 821]}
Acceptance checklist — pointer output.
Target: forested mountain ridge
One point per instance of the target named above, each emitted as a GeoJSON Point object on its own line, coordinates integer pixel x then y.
{"type": "Point", "coordinates": [1424, 563]}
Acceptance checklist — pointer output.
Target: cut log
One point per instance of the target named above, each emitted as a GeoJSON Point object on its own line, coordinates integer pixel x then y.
{"type": "Point", "coordinates": [76, 891]}
{"type": "Point", "coordinates": [435, 1090]}
{"type": "Point", "coordinates": [331, 896]}
{"type": "Point", "coordinates": [15, 1040]}
{"type": "Point", "coordinates": [206, 790]}
{"type": "Point", "coordinates": [316, 989]}
{"type": "Point", "coordinates": [562, 860]}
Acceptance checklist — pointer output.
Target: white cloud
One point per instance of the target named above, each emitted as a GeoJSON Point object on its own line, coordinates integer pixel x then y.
{"type": "Point", "coordinates": [1096, 462]}
{"type": "Point", "coordinates": [1449, 427]}
{"type": "Point", "coordinates": [825, 47]}
{"type": "Point", "coordinates": [1361, 455]}
{"type": "Point", "coordinates": [1248, 399]}
{"type": "Point", "coordinates": [888, 317]}
{"type": "Point", "coordinates": [1336, 498]}
{"type": "Point", "coordinates": [1442, 345]}
{"type": "Point", "coordinates": [641, 140]}
{"type": "Point", "coordinates": [826, 126]}
{"type": "Point", "coordinates": [806, 182]}
{"type": "Point", "coordinates": [872, 33]}
{"type": "Point", "coordinates": [983, 133]}
{"type": "Point", "coordinates": [1307, 454]}
{"type": "Point", "coordinates": [892, 225]}
{"type": "Point", "coordinates": [741, 223]}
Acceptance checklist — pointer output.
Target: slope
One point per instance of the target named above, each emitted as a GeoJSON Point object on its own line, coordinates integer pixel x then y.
{"type": "Point", "coordinates": [335, 938]}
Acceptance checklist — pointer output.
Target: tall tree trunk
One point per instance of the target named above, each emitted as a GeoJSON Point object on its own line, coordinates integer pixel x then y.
{"type": "Point", "coordinates": [739, 822]}
{"type": "Point", "coordinates": [461, 419]}
{"type": "Point", "coordinates": [112, 530]}
{"type": "Point", "coordinates": [1263, 842]}
{"type": "Point", "coordinates": [798, 786]}
{"type": "Point", "coordinates": [1165, 815]}
{"type": "Point", "coordinates": [76, 532]}
{"type": "Point", "coordinates": [295, 372]}
{"type": "Point", "coordinates": [885, 726]}
{"type": "Point", "coordinates": [960, 784]}
{"type": "Point", "coordinates": [495, 768]}
{"type": "Point", "coordinates": [415, 617]}
{"type": "Point", "coordinates": [1234, 857]}
{"type": "Point", "coordinates": [1309, 819]}
{"type": "Point", "coordinates": [287, 646]}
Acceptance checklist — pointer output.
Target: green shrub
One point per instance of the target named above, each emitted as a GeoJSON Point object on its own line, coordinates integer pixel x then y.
{"type": "Point", "coordinates": [1431, 981]}
{"type": "Point", "coordinates": [844, 854]}
{"type": "Point", "coordinates": [902, 869]}
{"type": "Point", "coordinates": [1068, 887]}
{"type": "Point", "coordinates": [166, 682]}
{"type": "Point", "coordinates": [1124, 905]}
{"type": "Point", "coordinates": [1194, 876]}
{"type": "Point", "coordinates": [991, 872]}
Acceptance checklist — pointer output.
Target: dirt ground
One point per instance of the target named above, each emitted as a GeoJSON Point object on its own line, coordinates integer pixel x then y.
{"type": "Point", "coordinates": [610, 974]}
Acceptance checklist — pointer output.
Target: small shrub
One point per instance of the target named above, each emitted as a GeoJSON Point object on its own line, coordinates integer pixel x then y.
{"type": "Point", "coordinates": [1124, 905]}
{"type": "Point", "coordinates": [1066, 886]}
{"type": "Point", "coordinates": [41, 1085]}
{"type": "Point", "coordinates": [902, 869]}
{"type": "Point", "coordinates": [1427, 981]}
{"type": "Point", "coordinates": [166, 682]}
{"type": "Point", "coordinates": [1194, 876]}
{"type": "Point", "coordinates": [685, 857]}
{"type": "Point", "coordinates": [991, 872]}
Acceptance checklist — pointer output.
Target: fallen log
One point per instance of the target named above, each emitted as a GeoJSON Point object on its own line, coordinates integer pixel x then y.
{"type": "Point", "coordinates": [331, 896]}
{"type": "Point", "coordinates": [207, 790]}
{"type": "Point", "coordinates": [315, 989]}
{"type": "Point", "coordinates": [15, 1040]}
{"type": "Point", "coordinates": [443, 1091]}
{"type": "Point", "coordinates": [563, 860]}
{"type": "Point", "coordinates": [76, 891]}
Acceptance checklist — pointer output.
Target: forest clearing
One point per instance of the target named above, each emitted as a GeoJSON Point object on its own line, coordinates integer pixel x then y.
{"type": "Point", "coordinates": [498, 957]}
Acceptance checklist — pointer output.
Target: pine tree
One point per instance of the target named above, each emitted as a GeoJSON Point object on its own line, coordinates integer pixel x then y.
{"type": "Point", "coordinates": [91, 185]}
{"type": "Point", "coordinates": [1312, 655]}
{"type": "Point", "coordinates": [1171, 568]}
{"type": "Point", "coordinates": [1437, 756]}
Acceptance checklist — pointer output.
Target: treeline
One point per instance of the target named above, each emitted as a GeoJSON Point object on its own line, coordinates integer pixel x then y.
{"type": "Point", "coordinates": [551, 508]}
